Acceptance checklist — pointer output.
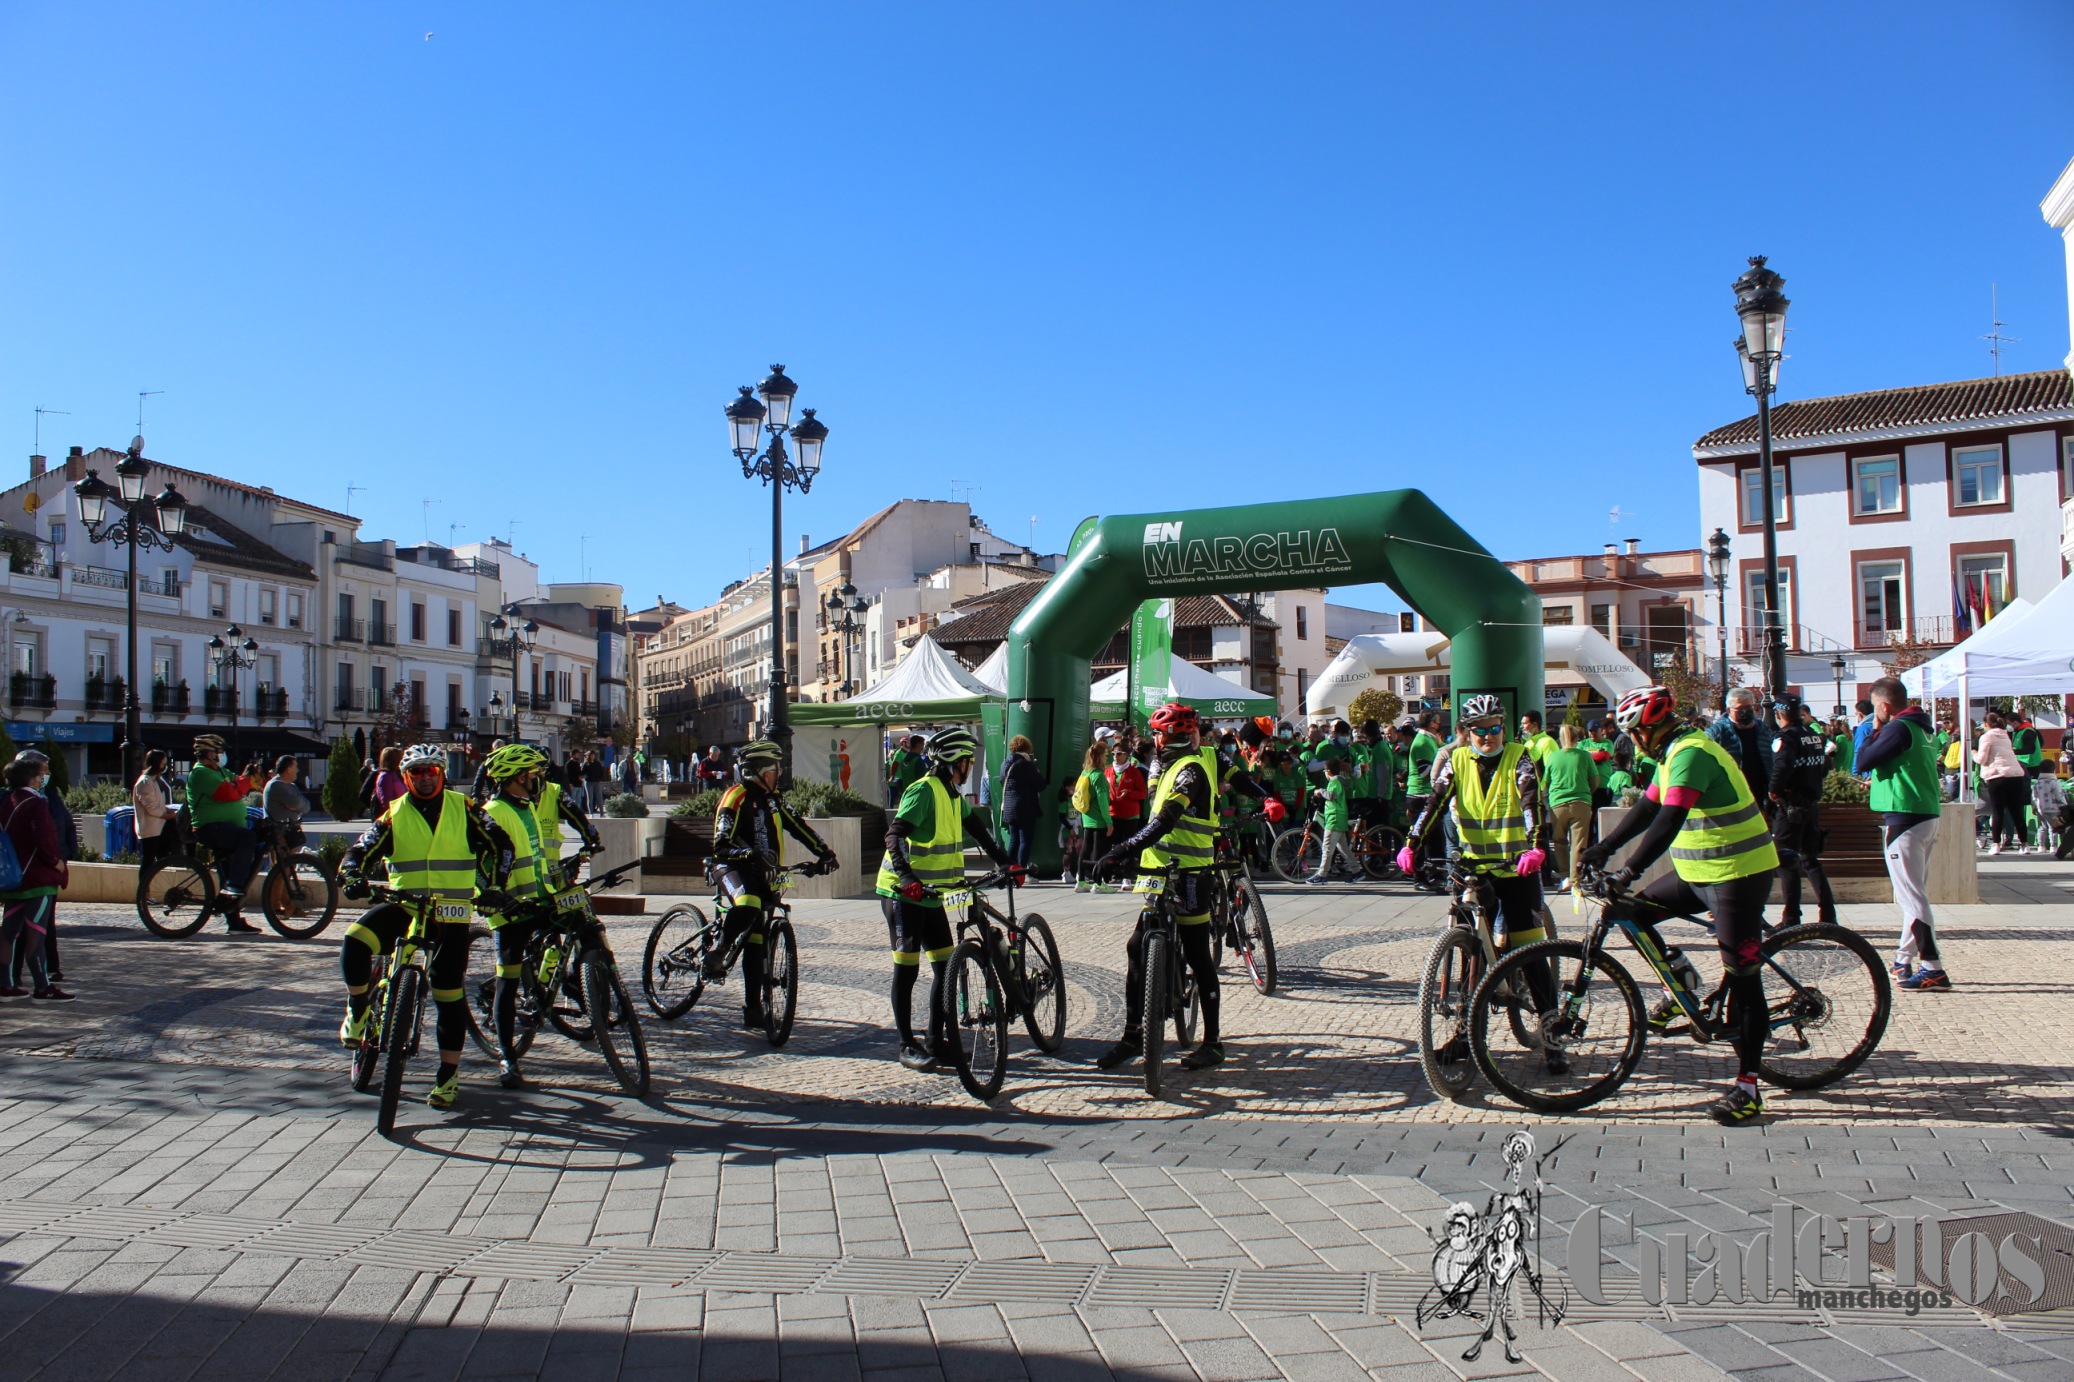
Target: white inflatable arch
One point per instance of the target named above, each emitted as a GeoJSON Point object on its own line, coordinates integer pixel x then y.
{"type": "Point", "coordinates": [1580, 649]}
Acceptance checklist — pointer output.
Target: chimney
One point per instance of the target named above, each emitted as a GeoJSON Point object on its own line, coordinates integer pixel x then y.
{"type": "Point", "coordinates": [804, 544]}
{"type": "Point", "coordinates": [75, 464]}
{"type": "Point", "coordinates": [1612, 549]}
{"type": "Point", "coordinates": [36, 464]}
{"type": "Point", "coordinates": [1634, 547]}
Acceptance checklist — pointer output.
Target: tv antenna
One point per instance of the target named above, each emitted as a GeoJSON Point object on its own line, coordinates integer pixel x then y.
{"type": "Point", "coordinates": [583, 549]}
{"type": "Point", "coordinates": [1995, 339]}
{"type": "Point", "coordinates": [426, 509]}
{"type": "Point", "coordinates": [40, 411]}
{"type": "Point", "coordinates": [351, 490]}
{"type": "Point", "coordinates": [1033, 532]}
{"type": "Point", "coordinates": [143, 394]}
{"type": "Point", "coordinates": [966, 485]}
{"type": "Point", "coordinates": [511, 527]}
{"type": "Point", "coordinates": [451, 529]}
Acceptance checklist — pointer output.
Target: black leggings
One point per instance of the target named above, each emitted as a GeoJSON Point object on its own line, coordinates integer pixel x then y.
{"type": "Point", "coordinates": [1737, 908]}
{"type": "Point", "coordinates": [2006, 797]}
{"type": "Point", "coordinates": [377, 933]}
{"type": "Point", "coordinates": [1191, 901]}
{"type": "Point", "coordinates": [916, 932]}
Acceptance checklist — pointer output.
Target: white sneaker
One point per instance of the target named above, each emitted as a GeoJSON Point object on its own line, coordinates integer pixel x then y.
{"type": "Point", "coordinates": [1995, 848]}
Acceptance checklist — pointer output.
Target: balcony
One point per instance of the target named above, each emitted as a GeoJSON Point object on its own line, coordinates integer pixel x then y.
{"type": "Point", "coordinates": [168, 700]}
{"type": "Point", "coordinates": [30, 692]}
{"type": "Point", "coordinates": [1654, 655]}
{"type": "Point", "coordinates": [457, 719]}
{"type": "Point", "coordinates": [588, 709]}
{"type": "Point", "coordinates": [219, 700]}
{"type": "Point", "coordinates": [371, 554]}
{"type": "Point", "coordinates": [102, 576]}
{"type": "Point", "coordinates": [381, 633]}
{"type": "Point", "coordinates": [104, 693]}
{"type": "Point", "coordinates": [349, 630]}
{"type": "Point", "coordinates": [350, 698]}
{"type": "Point", "coordinates": [1934, 629]}
{"type": "Point", "coordinates": [269, 704]}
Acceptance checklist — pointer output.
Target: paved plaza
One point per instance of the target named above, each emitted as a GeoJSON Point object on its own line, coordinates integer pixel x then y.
{"type": "Point", "coordinates": [189, 1187]}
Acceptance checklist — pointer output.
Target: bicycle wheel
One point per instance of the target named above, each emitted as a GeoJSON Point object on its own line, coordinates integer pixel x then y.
{"type": "Point", "coordinates": [1043, 981]}
{"type": "Point", "coordinates": [400, 1038]}
{"type": "Point", "coordinates": [300, 895]}
{"type": "Point", "coordinates": [780, 980]}
{"type": "Point", "coordinates": [1188, 1006]}
{"type": "Point", "coordinates": [1378, 851]}
{"type": "Point", "coordinates": [1155, 1013]}
{"type": "Point", "coordinates": [1298, 854]}
{"type": "Point", "coordinates": [479, 995]}
{"type": "Point", "coordinates": [1453, 967]}
{"type": "Point", "coordinates": [975, 1019]}
{"type": "Point", "coordinates": [368, 1057]}
{"type": "Point", "coordinates": [1828, 995]}
{"type": "Point", "coordinates": [672, 968]}
{"type": "Point", "coordinates": [564, 1006]}
{"type": "Point", "coordinates": [1601, 1043]}
{"type": "Point", "coordinates": [617, 1025]}
{"type": "Point", "coordinates": [176, 895]}
{"type": "Point", "coordinates": [1256, 940]}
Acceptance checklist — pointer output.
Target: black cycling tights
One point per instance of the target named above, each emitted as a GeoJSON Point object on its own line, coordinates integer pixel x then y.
{"type": "Point", "coordinates": [748, 921]}
{"type": "Point", "coordinates": [1198, 949]}
{"type": "Point", "coordinates": [905, 976]}
{"type": "Point", "coordinates": [378, 932]}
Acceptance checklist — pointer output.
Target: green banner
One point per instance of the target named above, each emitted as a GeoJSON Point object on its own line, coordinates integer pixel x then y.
{"type": "Point", "coordinates": [1152, 650]}
{"type": "Point", "coordinates": [993, 722]}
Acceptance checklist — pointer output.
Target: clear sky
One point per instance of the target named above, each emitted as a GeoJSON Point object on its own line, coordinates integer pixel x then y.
{"type": "Point", "coordinates": [514, 258]}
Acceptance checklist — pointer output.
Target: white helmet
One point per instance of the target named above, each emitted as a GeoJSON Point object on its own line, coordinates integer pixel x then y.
{"type": "Point", "coordinates": [418, 755]}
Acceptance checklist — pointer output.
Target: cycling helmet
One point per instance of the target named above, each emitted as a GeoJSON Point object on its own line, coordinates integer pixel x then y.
{"type": "Point", "coordinates": [1644, 708]}
{"type": "Point", "coordinates": [418, 755]}
{"type": "Point", "coordinates": [513, 760]}
{"type": "Point", "coordinates": [758, 756]}
{"type": "Point", "coordinates": [1483, 707]}
{"type": "Point", "coordinates": [951, 745]}
{"type": "Point", "coordinates": [1175, 718]}
{"type": "Point", "coordinates": [208, 743]}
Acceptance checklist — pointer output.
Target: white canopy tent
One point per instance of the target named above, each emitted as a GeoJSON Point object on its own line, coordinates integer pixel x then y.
{"type": "Point", "coordinates": [1576, 648]}
{"type": "Point", "coordinates": [1947, 673]}
{"type": "Point", "coordinates": [1218, 697]}
{"type": "Point", "coordinates": [993, 673]}
{"type": "Point", "coordinates": [928, 686]}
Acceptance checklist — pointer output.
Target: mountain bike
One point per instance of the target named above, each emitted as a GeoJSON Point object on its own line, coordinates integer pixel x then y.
{"type": "Point", "coordinates": [1004, 967]}
{"type": "Point", "coordinates": [396, 999]}
{"type": "Point", "coordinates": [1461, 956]}
{"type": "Point", "coordinates": [1170, 989]}
{"type": "Point", "coordinates": [1238, 914]}
{"type": "Point", "coordinates": [298, 890]}
{"type": "Point", "coordinates": [569, 980]}
{"type": "Point", "coordinates": [673, 970]}
{"type": "Point", "coordinates": [1298, 853]}
{"type": "Point", "coordinates": [1827, 994]}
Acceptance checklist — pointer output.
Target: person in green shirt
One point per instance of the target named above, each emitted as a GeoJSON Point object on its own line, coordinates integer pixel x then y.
{"type": "Point", "coordinates": [1570, 778]}
{"type": "Point", "coordinates": [904, 768]}
{"type": "Point", "coordinates": [1288, 783]}
{"type": "Point", "coordinates": [1364, 783]}
{"type": "Point", "coordinates": [1333, 815]}
{"type": "Point", "coordinates": [216, 809]}
{"type": "Point", "coordinates": [1899, 758]}
{"type": "Point", "coordinates": [1538, 742]}
{"type": "Point", "coordinates": [1840, 735]}
{"type": "Point", "coordinates": [1623, 775]}
{"type": "Point", "coordinates": [1095, 821]}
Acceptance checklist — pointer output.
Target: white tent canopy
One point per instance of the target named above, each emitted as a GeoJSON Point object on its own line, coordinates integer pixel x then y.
{"type": "Point", "coordinates": [1944, 674]}
{"type": "Point", "coordinates": [993, 673]}
{"type": "Point", "coordinates": [1577, 648]}
{"type": "Point", "coordinates": [927, 673]}
{"type": "Point", "coordinates": [1186, 681]}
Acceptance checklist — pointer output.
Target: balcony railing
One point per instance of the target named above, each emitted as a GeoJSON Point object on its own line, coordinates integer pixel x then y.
{"type": "Point", "coordinates": [583, 708]}
{"type": "Point", "coordinates": [104, 693]}
{"type": "Point", "coordinates": [168, 700]}
{"type": "Point", "coordinates": [1654, 654]}
{"type": "Point", "coordinates": [218, 700]}
{"type": "Point", "coordinates": [381, 632]}
{"type": "Point", "coordinates": [102, 576]}
{"type": "Point", "coordinates": [349, 630]}
{"type": "Point", "coordinates": [350, 698]}
{"type": "Point", "coordinates": [34, 692]}
{"type": "Point", "coordinates": [1933, 629]}
{"type": "Point", "coordinates": [457, 719]}
{"type": "Point", "coordinates": [270, 704]}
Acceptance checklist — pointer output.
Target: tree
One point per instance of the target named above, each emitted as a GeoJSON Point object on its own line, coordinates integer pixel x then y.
{"type": "Point", "coordinates": [1376, 704]}
{"type": "Point", "coordinates": [623, 734]}
{"type": "Point", "coordinates": [1691, 690]}
{"type": "Point", "coordinates": [7, 749]}
{"type": "Point", "coordinates": [341, 791]}
{"type": "Point", "coordinates": [579, 732]}
{"type": "Point", "coordinates": [1909, 651]}
{"type": "Point", "coordinates": [400, 722]}
{"type": "Point", "coordinates": [1574, 715]}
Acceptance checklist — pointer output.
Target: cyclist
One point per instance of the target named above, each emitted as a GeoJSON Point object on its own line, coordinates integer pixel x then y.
{"type": "Point", "coordinates": [748, 837]}
{"type": "Point", "coordinates": [434, 842]}
{"type": "Point", "coordinates": [1492, 792]}
{"type": "Point", "coordinates": [1800, 763]}
{"type": "Point", "coordinates": [216, 806]}
{"type": "Point", "coordinates": [517, 809]}
{"type": "Point", "coordinates": [1701, 809]}
{"type": "Point", "coordinates": [925, 854]}
{"type": "Point", "coordinates": [1182, 830]}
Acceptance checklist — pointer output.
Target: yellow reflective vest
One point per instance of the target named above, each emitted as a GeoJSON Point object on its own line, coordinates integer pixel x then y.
{"type": "Point", "coordinates": [425, 859]}
{"type": "Point", "coordinates": [1492, 821]}
{"type": "Point", "coordinates": [1722, 843]}
{"type": "Point", "coordinates": [1192, 843]}
{"type": "Point", "coordinates": [939, 861]}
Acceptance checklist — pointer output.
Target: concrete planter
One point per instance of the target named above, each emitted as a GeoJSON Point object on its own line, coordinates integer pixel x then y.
{"type": "Point", "coordinates": [100, 883]}
{"type": "Point", "coordinates": [844, 835]}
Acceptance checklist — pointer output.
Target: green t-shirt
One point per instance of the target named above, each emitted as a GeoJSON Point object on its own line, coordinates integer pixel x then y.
{"type": "Point", "coordinates": [202, 806]}
{"type": "Point", "coordinates": [1098, 799]}
{"type": "Point", "coordinates": [904, 769]}
{"type": "Point", "coordinates": [1618, 781]}
{"type": "Point", "coordinates": [1846, 752]}
{"type": "Point", "coordinates": [1569, 775]}
{"type": "Point", "coordinates": [1645, 769]}
{"type": "Point", "coordinates": [1418, 780]}
{"type": "Point", "coordinates": [1540, 746]}
{"type": "Point", "coordinates": [1908, 785]}
{"type": "Point", "coordinates": [1362, 784]}
{"type": "Point", "coordinates": [1288, 785]}
{"type": "Point", "coordinates": [1382, 762]}
{"type": "Point", "coordinates": [1335, 813]}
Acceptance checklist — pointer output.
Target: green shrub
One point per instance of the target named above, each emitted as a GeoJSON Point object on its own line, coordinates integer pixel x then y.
{"type": "Point", "coordinates": [627, 805]}
{"type": "Point", "coordinates": [1841, 789]}
{"type": "Point", "coordinates": [125, 856]}
{"type": "Point", "coordinates": [89, 855]}
{"type": "Point", "coordinates": [331, 849]}
{"type": "Point", "coordinates": [704, 805]}
{"type": "Point", "coordinates": [95, 800]}
{"type": "Point", "coordinates": [825, 799]}
{"type": "Point", "coordinates": [341, 791]}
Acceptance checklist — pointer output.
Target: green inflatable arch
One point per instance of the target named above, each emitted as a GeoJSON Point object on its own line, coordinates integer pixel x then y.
{"type": "Point", "coordinates": [1491, 618]}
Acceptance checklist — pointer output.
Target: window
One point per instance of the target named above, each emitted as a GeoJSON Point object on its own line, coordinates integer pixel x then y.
{"type": "Point", "coordinates": [378, 620]}
{"type": "Point", "coordinates": [100, 659]}
{"type": "Point", "coordinates": [2067, 469]}
{"type": "Point", "coordinates": [1602, 620]}
{"type": "Point", "coordinates": [267, 599]}
{"type": "Point", "coordinates": [28, 659]}
{"type": "Point", "coordinates": [453, 627]}
{"type": "Point", "coordinates": [417, 697]}
{"type": "Point", "coordinates": [1977, 476]}
{"type": "Point", "coordinates": [1876, 485]}
{"type": "Point", "coordinates": [1984, 581]}
{"type": "Point", "coordinates": [162, 666]}
{"type": "Point", "coordinates": [1880, 598]}
{"type": "Point", "coordinates": [1753, 598]}
{"type": "Point", "coordinates": [269, 674]}
{"type": "Point", "coordinates": [1303, 622]}
{"type": "Point", "coordinates": [57, 533]}
{"type": "Point", "coordinates": [294, 609]}
{"type": "Point", "coordinates": [417, 622]}
{"type": "Point", "coordinates": [1752, 479]}
{"type": "Point", "coordinates": [169, 581]}
{"type": "Point", "coordinates": [219, 599]}
{"type": "Point", "coordinates": [1558, 614]}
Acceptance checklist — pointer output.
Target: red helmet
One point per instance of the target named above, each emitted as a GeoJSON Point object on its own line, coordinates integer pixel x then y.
{"type": "Point", "coordinates": [1644, 708]}
{"type": "Point", "coordinates": [1174, 718]}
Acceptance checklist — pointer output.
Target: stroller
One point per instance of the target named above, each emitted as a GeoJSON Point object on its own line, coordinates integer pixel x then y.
{"type": "Point", "coordinates": [2055, 815]}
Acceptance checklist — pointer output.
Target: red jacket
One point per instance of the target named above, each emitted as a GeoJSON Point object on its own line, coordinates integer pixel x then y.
{"type": "Point", "coordinates": [1126, 791]}
{"type": "Point", "coordinates": [28, 823]}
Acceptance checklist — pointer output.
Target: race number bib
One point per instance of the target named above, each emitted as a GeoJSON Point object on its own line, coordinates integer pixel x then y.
{"type": "Point", "coordinates": [1150, 883]}
{"type": "Point", "coordinates": [956, 897]}
{"type": "Point", "coordinates": [453, 911]}
{"type": "Point", "coordinates": [569, 900]}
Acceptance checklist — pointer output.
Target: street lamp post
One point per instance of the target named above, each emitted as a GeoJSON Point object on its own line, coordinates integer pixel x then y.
{"type": "Point", "coordinates": [511, 632]}
{"type": "Point", "coordinates": [131, 531]}
{"type": "Point", "coordinates": [231, 657]}
{"type": "Point", "coordinates": [746, 418]}
{"type": "Point", "coordinates": [844, 605]}
{"type": "Point", "coordinates": [1717, 566]}
{"type": "Point", "coordinates": [1762, 307]}
{"type": "Point", "coordinates": [1836, 668]}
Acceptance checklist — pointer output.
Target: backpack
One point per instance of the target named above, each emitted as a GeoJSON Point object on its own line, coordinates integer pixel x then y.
{"type": "Point", "coordinates": [1083, 795]}
{"type": "Point", "coordinates": [10, 862]}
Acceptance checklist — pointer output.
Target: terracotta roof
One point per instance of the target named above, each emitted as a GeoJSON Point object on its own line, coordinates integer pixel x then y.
{"type": "Point", "coordinates": [1923, 405]}
{"type": "Point", "coordinates": [1214, 612]}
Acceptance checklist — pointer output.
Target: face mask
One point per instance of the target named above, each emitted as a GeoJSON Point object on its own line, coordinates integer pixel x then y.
{"type": "Point", "coordinates": [1742, 714]}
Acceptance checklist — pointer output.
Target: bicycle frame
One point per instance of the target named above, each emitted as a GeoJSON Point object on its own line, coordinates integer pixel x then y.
{"type": "Point", "coordinates": [981, 917]}
{"type": "Point", "coordinates": [1159, 901]}
{"type": "Point", "coordinates": [774, 907]}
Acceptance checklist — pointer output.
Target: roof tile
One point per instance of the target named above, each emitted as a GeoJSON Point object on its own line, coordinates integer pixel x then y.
{"type": "Point", "coordinates": [1918, 405]}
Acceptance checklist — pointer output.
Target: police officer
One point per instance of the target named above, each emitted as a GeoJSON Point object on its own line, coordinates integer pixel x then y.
{"type": "Point", "coordinates": [1800, 762]}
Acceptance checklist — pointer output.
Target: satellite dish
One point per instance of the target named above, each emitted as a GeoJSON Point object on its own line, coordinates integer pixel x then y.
{"type": "Point", "coordinates": [31, 502]}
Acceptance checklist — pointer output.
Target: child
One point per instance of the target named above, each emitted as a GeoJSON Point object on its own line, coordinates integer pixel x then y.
{"type": "Point", "coordinates": [1333, 816]}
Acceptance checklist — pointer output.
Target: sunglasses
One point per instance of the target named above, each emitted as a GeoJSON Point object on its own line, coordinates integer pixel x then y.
{"type": "Point", "coordinates": [1486, 731]}
{"type": "Point", "coordinates": [424, 770]}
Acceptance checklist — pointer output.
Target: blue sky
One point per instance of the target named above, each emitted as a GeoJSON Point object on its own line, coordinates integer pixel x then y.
{"type": "Point", "coordinates": [1087, 258]}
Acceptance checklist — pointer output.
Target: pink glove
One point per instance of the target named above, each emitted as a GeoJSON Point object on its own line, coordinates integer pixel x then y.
{"type": "Point", "coordinates": [1404, 860]}
{"type": "Point", "coordinates": [1530, 863]}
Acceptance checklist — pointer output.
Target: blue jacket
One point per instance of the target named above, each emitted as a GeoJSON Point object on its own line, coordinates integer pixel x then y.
{"type": "Point", "coordinates": [1752, 753]}
{"type": "Point", "coordinates": [1859, 736]}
